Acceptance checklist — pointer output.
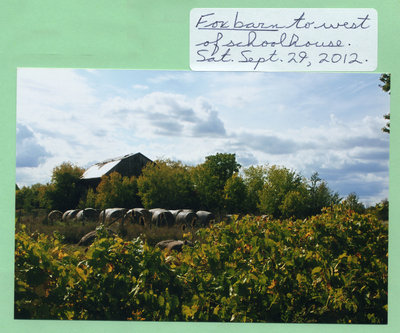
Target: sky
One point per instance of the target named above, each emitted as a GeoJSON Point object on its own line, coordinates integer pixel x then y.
{"type": "Point", "coordinates": [328, 123]}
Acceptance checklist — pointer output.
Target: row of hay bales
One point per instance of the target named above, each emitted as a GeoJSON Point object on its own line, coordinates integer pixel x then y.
{"type": "Point", "coordinates": [146, 217]}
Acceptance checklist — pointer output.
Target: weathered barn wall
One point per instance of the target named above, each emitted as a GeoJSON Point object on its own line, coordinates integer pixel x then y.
{"type": "Point", "coordinates": [131, 166]}
{"type": "Point", "coordinates": [126, 166]}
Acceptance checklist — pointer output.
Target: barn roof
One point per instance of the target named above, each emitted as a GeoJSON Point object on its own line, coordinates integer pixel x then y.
{"type": "Point", "coordinates": [99, 169]}
{"type": "Point", "coordinates": [102, 168]}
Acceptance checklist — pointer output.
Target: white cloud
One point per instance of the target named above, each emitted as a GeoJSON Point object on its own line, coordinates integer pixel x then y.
{"type": "Point", "coordinates": [55, 87]}
{"type": "Point", "coordinates": [140, 87]}
{"type": "Point", "coordinates": [30, 153]}
{"type": "Point", "coordinates": [307, 122]}
{"type": "Point", "coordinates": [57, 105]}
{"type": "Point", "coordinates": [167, 114]}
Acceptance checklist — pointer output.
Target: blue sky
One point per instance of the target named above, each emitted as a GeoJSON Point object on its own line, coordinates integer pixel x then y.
{"type": "Point", "coordinates": [325, 122]}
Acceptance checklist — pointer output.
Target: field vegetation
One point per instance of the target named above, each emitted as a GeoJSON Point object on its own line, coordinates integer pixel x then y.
{"type": "Point", "coordinates": [294, 251]}
{"type": "Point", "coordinates": [329, 268]}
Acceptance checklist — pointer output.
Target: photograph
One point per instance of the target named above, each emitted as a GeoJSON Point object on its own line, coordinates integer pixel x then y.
{"type": "Point", "coordinates": [184, 196]}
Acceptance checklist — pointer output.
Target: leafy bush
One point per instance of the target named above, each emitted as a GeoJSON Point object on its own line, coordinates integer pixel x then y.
{"type": "Point", "coordinates": [65, 190]}
{"type": "Point", "coordinates": [330, 268]}
{"type": "Point", "coordinates": [210, 179]}
{"type": "Point", "coordinates": [166, 184]}
{"type": "Point", "coordinates": [114, 191]}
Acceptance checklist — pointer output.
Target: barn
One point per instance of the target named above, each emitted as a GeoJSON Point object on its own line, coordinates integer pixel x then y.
{"type": "Point", "coordinates": [127, 166]}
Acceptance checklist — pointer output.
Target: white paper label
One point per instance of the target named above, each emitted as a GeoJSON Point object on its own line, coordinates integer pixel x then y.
{"type": "Point", "coordinates": [289, 39]}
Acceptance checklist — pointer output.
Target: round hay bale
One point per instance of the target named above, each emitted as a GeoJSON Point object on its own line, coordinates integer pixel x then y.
{"type": "Point", "coordinates": [111, 215]}
{"type": "Point", "coordinates": [87, 214]}
{"type": "Point", "coordinates": [91, 236]}
{"type": "Point", "coordinates": [139, 216]}
{"type": "Point", "coordinates": [144, 212]}
{"type": "Point", "coordinates": [175, 212]}
{"type": "Point", "coordinates": [162, 217]}
{"type": "Point", "coordinates": [70, 214]}
{"type": "Point", "coordinates": [186, 219]}
{"type": "Point", "coordinates": [205, 218]}
{"type": "Point", "coordinates": [80, 216]}
{"type": "Point", "coordinates": [91, 214]}
{"type": "Point", "coordinates": [153, 210]}
{"type": "Point", "coordinates": [55, 215]}
{"type": "Point", "coordinates": [173, 245]}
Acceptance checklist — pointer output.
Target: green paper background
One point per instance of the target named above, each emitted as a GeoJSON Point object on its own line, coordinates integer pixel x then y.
{"type": "Point", "coordinates": [150, 35]}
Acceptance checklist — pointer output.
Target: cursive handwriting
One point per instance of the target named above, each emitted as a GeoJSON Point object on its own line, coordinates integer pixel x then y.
{"type": "Point", "coordinates": [284, 40]}
{"type": "Point", "coordinates": [205, 23]}
{"type": "Point", "coordinates": [279, 39]}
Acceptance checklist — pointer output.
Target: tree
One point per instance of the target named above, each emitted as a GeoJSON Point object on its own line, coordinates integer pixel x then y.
{"type": "Point", "coordinates": [385, 78]}
{"type": "Point", "coordinates": [64, 190]}
{"type": "Point", "coordinates": [206, 186]}
{"type": "Point", "coordinates": [210, 179]}
{"type": "Point", "coordinates": [320, 195]}
{"type": "Point", "coordinates": [295, 203]}
{"type": "Point", "coordinates": [42, 195]}
{"type": "Point", "coordinates": [279, 182]}
{"type": "Point", "coordinates": [24, 198]}
{"type": "Point", "coordinates": [166, 184]}
{"type": "Point", "coordinates": [116, 191]}
{"type": "Point", "coordinates": [386, 129]}
{"type": "Point", "coordinates": [222, 165]}
{"type": "Point", "coordinates": [254, 179]}
{"type": "Point", "coordinates": [235, 194]}
{"type": "Point", "coordinates": [31, 197]}
{"type": "Point", "coordinates": [382, 210]}
{"type": "Point", "coordinates": [89, 200]}
{"type": "Point", "coordinates": [352, 202]}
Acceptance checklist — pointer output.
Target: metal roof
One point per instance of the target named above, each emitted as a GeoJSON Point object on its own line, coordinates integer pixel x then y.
{"type": "Point", "coordinates": [100, 169]}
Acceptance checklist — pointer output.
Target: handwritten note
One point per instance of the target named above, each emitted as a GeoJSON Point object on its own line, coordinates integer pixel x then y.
{"type": "Point", "coordinates": [290, 39]}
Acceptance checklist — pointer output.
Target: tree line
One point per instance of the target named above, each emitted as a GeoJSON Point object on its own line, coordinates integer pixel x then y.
{"type": "Point", "coordinates": [218, 184]}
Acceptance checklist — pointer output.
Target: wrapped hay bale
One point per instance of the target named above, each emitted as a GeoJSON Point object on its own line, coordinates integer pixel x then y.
{"type": "Point", "coordinates": [173, 245]}
{"type": "Point", "coordinates": [70, 214]}
{"type": "Point", "coordinates": [111, 215]}
{"type": "Point", "coordinates": [205, 218]}
{"type": "Point", "coordinates": [54, 215]}
{"type": "Point", "coordinates": [87, 214]}
{"type": "Point", "coordinates": [162, 217]}
{"type": "Point", "coordinates": [140, 216]}
{"type": "Point", "coordinates": [186, 219]}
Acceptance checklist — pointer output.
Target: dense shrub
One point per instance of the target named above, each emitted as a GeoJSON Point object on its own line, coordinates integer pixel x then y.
{"type": "Point", "coordinates": [65, 190]}
{"type": "Point", "coordinates": [166, 184]}
{"type": "Point", "coordinates": [327, 268]}
{"type": "Point", "coordinates": [114, 191]}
